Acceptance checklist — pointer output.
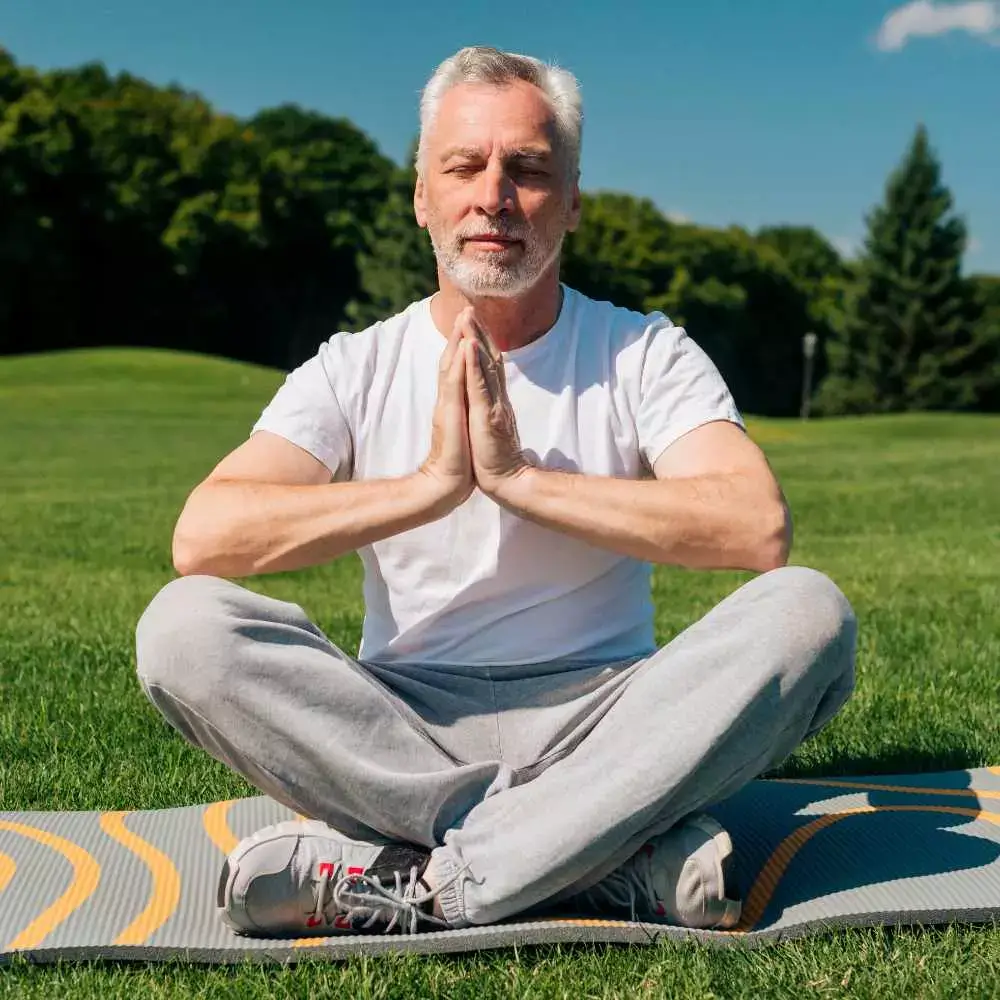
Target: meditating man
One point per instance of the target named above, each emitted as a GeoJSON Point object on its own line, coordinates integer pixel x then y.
{"type": "Point", "coordinates": [508, 457]}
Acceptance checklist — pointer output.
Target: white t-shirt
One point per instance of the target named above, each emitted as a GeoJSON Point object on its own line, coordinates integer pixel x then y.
{"type": "Point", "coordinates": [603, 393]}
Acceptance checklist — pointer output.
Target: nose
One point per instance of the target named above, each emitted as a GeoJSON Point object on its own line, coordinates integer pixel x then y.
{"type": "Point", "coordinates": [496, 191]}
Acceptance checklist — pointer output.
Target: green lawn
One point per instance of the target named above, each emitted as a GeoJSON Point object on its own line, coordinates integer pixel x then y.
{"type": "Point", "coordinates": [97, 453]}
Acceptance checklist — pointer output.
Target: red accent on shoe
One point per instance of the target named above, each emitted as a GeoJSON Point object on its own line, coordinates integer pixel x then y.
{"type": "Point", "coordinates": [327, 868]}
{"type": "Point", "coordinates": [341, 922]}
{"type": "Point", "coordinates": [313, 921]}
{"type": "Point", "coordinates": [660, 910]}
{"type": "Point", "coordinates": [354, 870]}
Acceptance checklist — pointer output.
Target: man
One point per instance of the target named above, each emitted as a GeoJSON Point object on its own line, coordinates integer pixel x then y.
{"type": "Point", "coordinates": [508, 457]}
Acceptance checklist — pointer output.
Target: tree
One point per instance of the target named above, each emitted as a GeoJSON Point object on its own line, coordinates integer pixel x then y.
{"type": "Point", "coordinates": [322, 183]}
{"type": "Point", "coordinates": [620, 252]}
{"type": "Point", "coordinates": [737, 299]}
{"type": "Point", "coordinates": [51, 197]}
{"type": "Point", "coordinates": [909, 339]}
{"type": "Point", "coordinates": [986, 290]}
{"type": "Point", "coordinates": [397, 265]}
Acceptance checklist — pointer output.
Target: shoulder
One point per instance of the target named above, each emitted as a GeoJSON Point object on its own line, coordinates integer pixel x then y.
{"type": "Point", "coordinates": [651, 348]}
{"type": "Point", "coordinates": [623, 327]}
{"type": "Point", "coordinates": [381, 334]}
{"type": "Point", "coordinates": [350, 355]}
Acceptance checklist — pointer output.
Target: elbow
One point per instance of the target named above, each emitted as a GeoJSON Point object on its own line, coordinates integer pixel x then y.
{"type": "Point", "coordinates": [188, 550]}
{"type": "Point", "coordinates": [185, 557]}
{"type": "Point", "coordinates": [775, 544]}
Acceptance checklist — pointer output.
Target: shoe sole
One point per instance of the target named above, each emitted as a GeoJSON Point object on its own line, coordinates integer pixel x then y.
{"type": "Point", "coordinates": [732, 908]}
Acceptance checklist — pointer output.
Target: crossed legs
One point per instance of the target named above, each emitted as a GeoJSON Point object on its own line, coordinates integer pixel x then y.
{"type": "Point", "coordinates": [538, 781]}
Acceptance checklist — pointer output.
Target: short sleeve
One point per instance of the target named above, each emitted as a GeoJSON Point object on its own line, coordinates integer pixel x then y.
{"type": "Point", "coordinates": [305, 410]}
{"type": "Point", "coordinates": [680, 389]}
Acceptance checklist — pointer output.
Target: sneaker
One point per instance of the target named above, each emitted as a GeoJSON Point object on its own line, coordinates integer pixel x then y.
{"type": "Point", "coordinates": [679, 877]}
{"type": "Point", "coordinates": [303, 878]}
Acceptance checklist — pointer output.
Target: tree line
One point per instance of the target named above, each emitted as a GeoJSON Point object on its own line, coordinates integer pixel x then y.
{"type": "Point", "coordinates": [132, 214]}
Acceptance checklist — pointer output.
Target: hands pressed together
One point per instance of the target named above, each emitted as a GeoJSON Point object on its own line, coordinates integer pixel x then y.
{"type": "Point", "coordinates": [474, 440]}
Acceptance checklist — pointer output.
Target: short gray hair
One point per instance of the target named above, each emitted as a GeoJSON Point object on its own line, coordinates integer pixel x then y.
{"type": "Point", "coordinates": [482, 64]}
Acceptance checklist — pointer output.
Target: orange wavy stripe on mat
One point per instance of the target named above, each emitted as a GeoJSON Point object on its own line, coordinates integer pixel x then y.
{"type": "Point", "coordinates": [870, 786]}
{"type": "Point", "coordinates": [166, 891]}
{"type": "Point", "coordinates": [7, 868]}
{"type": "Point", "coordinates": [310, 942]}
{"type": "Point", "coordinates": [993, 770]}
{"type": "Point", "coordinates": [215, 820]}
{"type": "Point", "coordinates": [86, 875]}
{"type": "Point", "coordinates": [777, 864]}
{"type": "Point", "coordinates": [581, 921]}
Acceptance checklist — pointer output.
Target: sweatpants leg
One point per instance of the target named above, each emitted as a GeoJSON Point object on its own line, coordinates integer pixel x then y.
{"type": "Point", "coordinates": [730, 697]}
{"type": "Point", "coordinates": [256, 684]}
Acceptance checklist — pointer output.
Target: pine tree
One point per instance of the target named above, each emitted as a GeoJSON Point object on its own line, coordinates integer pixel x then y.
{"type": "Point", "coordinates": [908, 341]}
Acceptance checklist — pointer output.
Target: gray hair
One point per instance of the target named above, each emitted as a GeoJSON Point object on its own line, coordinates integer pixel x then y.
{"type": "Point", "coordinates": [482, 64]}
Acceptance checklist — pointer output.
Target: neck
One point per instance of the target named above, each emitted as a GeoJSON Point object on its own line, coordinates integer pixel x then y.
{"type": "Point", "coordinates": [511, 322]}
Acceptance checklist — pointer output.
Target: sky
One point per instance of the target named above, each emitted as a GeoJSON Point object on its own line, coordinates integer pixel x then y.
{"type": "Point", "coordinates": [720, 111]}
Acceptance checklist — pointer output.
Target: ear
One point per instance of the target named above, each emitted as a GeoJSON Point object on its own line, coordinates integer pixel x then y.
{"type": "Point", "coordinates": [574, 206]}
{"type": "Point", "coordinates": [419, 203]}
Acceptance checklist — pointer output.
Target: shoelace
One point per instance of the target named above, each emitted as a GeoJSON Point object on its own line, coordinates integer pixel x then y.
{"type": "Point", "coordinates": [399, 905]}
{"type": "Point", "coordinates": [626, 886]}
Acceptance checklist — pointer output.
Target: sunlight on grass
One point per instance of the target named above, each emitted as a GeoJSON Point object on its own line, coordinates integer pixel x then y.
{"type": "Point", "coordinates": [98, 453]}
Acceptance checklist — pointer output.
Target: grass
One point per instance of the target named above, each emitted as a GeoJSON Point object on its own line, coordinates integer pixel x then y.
{"type": "Point", "coordinates": [97, 453]}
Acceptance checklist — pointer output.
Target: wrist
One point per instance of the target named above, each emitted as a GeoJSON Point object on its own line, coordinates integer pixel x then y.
{"type": "Point", "coordinates": [435, 497]}
{"type": "Point", "coordinates": [516, 489]}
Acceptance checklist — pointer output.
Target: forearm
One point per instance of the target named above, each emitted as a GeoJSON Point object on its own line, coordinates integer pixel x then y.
{"type": "Point", "coordinates": [701, 522]}
{"type": "Point", "coordinates": [235, 528]}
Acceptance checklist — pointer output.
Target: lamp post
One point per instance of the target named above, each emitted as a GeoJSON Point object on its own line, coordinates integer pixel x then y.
{"type": "Point", "coordinates": [809, 353]}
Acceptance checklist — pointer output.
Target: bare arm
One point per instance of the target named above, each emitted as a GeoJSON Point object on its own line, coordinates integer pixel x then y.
{"type": "Point", "coordinates": [714, 504]}
{"type": "Point", "coordinates": [270, 506]}
{"type": "Point", "coordinates": [241, 520]}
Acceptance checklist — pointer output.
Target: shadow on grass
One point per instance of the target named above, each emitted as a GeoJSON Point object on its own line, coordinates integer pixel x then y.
{"type": "Point", "coordinates": [896, 760]}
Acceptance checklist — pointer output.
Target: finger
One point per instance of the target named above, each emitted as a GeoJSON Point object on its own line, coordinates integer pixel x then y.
{"type": "Point", "coordinates": [451, 347]}
{"type": "Point", "coordinates": [491, 373]}
{"type": "Point", "coordinates": [464, 323]}
{"type": "Point", "coordinates": [484, 338]}
{"type": "Point", "coordinates": [473, 330]}
{"type": "Point", "coordinates": [454, 375]}
{"type": "Point", "coordinates": [475, 377]}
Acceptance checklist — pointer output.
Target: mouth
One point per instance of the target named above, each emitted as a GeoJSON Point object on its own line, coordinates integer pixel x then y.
{"type": "Point", "coordinates": [495, 243]}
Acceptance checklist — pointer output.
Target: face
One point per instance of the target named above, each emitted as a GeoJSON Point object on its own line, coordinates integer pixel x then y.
{"type": "Point", "coordinates": [494, 191]}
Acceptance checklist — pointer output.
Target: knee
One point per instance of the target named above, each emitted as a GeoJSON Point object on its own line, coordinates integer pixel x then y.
{"type": "Point", "coordinates": [815, 621]}
{"type": "Point", "coordinates": [179, 637]}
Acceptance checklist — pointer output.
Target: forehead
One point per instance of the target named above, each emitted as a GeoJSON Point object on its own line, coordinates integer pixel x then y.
{"type": "Point", "coordinates": [483, 115]}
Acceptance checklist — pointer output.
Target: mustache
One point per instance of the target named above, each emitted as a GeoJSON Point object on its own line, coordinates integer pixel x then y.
{"type": "Point", "coordinates": [498, 232]}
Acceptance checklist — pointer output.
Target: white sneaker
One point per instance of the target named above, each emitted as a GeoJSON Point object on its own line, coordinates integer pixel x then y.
{"type": "Point", "coordinates": [678, 877]}
{"type": "Point", "coordinates": [303, 878]}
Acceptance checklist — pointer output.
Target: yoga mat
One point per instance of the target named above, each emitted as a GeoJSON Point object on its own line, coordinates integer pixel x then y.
{"type": "Point", "coordinates": [812, 854]}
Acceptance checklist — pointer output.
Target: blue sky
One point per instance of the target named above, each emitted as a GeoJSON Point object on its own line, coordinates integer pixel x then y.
{"type": "Point", "coordinates": [721, 111]}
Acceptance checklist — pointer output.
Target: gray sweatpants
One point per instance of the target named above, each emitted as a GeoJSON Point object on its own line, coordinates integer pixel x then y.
{"type": "Point", "coordinates": [541, 778]}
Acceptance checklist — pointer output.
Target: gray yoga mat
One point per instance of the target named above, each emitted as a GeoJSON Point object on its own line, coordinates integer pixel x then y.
{"type": "Point", "coordinates": [812, 853]}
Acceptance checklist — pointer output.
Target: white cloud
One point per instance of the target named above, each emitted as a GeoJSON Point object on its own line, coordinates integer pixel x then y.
{"type": "Point", "coordinates": [678, 218]}
{"type": "Point", "coordinates": [974, 245]}
{"type": "Point", "coordinates": [924, 18]}
{"type": "Point", "coordinates": [846, 245]}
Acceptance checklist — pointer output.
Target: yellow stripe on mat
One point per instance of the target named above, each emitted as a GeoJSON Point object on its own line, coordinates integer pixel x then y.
{"type": "Point", "coordinates": [870, 786]}
{"type": "Point", "coordinates": [166, 892]}
{"type": "Point", "coordinates": [777, 864]}
{"type": "Point", "coordinates": [86, 875]}
{"type": "Point", "coordinates": [581, 921]}
{"type": "Point", "coordinates": [215, 820]}
{"type": "Point", "coordinates": [7, 868]}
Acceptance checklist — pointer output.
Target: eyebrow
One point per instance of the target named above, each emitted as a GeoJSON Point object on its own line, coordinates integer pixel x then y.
{"type": "Point", "coordinates": [519, 153]}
